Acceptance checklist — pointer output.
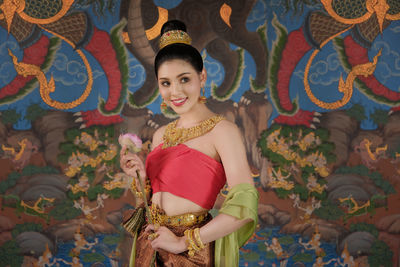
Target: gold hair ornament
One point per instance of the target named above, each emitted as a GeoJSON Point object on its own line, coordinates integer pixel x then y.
{"type": "Point", "coordinates": [175, 36]}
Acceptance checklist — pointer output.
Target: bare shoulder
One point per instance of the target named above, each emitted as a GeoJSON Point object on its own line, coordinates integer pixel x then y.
{"type": "Point", "coordinates": [229, 144]}
{"type": "Point", "coordinates": [226, 130]}
{"type": "Point", "coordinates": [158, 136]}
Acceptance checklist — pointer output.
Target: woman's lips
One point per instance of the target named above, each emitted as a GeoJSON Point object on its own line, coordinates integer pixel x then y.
{"type": "Point", "coordinates": [179, 102]}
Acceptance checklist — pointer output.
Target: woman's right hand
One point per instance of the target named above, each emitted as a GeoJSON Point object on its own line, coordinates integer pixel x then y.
{"type": "Point", "coordinates": [131, 164]}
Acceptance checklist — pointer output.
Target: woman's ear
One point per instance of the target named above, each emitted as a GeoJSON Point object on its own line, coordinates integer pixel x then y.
{"type": "Point", "coordinates": [203, 77]}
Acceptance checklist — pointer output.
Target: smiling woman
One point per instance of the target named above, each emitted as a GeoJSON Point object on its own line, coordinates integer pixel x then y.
{"type": "Point", "coordinates": [179, 85]}
{"type": "Point", "coordinates": [192, 159]}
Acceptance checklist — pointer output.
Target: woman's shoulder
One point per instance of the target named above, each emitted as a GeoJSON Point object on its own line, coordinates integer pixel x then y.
{"type": "Point", "coordinates": [158, 136]}
{"type": "Point", "coordinates": [226, 129]}
{"type": "Point", "coordinates": [225, 125]}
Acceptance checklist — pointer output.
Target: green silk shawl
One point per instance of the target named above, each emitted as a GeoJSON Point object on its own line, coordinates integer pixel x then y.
{"type": "Point", "coordinates": [241, 203]}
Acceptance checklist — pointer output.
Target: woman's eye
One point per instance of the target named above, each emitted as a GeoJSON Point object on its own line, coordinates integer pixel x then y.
{"type": "Point", "coordinates": [184, 80]}
{"type": "Point", "coordinates": [165, 84]}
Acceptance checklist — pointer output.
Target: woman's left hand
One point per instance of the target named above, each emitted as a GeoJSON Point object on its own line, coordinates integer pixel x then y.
{"type": "Point", "coordinates": [166, 240]}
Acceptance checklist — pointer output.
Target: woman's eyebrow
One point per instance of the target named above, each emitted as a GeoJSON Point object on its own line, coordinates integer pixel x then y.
{"type": "Point", "coordinates": [178, 76]}
{"type": "Point", "coordinates": [183, 73]}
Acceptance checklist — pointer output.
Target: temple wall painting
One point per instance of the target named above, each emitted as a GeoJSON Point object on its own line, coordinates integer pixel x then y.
{"type": "Point", "coordinates": [313, 85]}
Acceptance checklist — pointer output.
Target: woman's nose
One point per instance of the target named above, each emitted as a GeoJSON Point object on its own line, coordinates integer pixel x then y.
{"type": "Point", "coordinates": [175, 89]}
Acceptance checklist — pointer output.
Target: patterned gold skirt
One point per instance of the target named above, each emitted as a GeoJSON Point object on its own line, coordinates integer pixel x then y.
{"type": "Point", "coordinates": [177, 224]}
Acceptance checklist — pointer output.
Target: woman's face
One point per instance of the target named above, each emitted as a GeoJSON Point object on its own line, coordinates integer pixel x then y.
{"type": "Point", "coordinates": [179, 84]}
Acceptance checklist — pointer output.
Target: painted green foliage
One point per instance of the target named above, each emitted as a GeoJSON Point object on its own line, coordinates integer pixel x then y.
{"type": "Point", "coordinates": [298, 154]}
{"type": "Point", "coordinates": [10, 254]}
{"type": "Point", "coordinates": [87, 153]}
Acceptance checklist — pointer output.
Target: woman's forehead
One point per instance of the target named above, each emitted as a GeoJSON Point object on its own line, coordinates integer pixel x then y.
{"type": "Point", "coordinates": [175, 67]}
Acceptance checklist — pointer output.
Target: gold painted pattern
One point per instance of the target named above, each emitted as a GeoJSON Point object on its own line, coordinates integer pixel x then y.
{"type": "Point", "coordinates": [345, 87]}
{"type": "Point", "coordinates": [225, 12]}
{"type": "Point", "coordinates": [47, 87]}
{"type": "Point", "coordinates": [10, 7]}
{"type": "Point", "coordinates": [378, 7]}
{"type": "Point", "coordinates": [154, 31]}
{"type": "Point", "coordinates": [126, 38]}
{"type": "Point", "coordinates": [66, 6]}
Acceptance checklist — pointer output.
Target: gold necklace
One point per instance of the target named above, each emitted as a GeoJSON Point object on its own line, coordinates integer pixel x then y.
{"type": "Point", "coordinates": [174, 136]}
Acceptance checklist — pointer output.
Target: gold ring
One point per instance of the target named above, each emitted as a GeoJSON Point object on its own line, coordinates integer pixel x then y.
{"type": "Point", "coordinates": [153, 236]}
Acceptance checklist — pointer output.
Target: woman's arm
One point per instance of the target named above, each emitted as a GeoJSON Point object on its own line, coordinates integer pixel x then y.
{"type": "Point", "coordinates": [220, 226]}
{"type": "Point", "coordinates": [230, 146]}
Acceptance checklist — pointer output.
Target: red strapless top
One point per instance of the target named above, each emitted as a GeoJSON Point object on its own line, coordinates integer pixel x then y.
{"type": "Point", "coordinates": [185, 172]}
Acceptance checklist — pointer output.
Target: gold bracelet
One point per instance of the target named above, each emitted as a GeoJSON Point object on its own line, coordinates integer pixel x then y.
{"type": "Point", "coordinates": [196, 233]}
{"type": "Point", "coordinates": [138, 193]}
{"type": "Point", "coordinates": [192, 248]}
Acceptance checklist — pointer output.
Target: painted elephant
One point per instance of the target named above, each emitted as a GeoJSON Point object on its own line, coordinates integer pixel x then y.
{"type": "Point", "coordinates": [208, 30]}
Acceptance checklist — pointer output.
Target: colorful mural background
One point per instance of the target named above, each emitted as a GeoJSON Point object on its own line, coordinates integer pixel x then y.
{"type": "Point", "coordinates": [312, 84]}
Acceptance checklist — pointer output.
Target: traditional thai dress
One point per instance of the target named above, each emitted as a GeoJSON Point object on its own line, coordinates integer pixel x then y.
{"type": "Point", "coordinates": [193, 175]}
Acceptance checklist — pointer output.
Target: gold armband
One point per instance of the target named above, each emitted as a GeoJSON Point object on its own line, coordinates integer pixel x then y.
{"type": "Point", "coordinates": [200, 243]}
{"type": "Point", "coordinates": [194, 244]}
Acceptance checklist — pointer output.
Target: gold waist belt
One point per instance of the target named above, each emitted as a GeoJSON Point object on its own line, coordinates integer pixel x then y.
{"type": "Point", "coordinates": [158, 216]}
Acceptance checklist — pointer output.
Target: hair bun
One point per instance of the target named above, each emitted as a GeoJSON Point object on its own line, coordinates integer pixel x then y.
{"type": "Point", "coordinates": [175, 43]}
{"type": "Point", "coordinates": [173, 25]}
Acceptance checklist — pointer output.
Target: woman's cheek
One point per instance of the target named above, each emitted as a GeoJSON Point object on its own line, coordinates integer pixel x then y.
{"type": "Point", "coordinates": [163, 92]}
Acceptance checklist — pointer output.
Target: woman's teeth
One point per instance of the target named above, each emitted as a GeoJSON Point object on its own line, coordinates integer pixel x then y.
{"type": "Point", "coordinates": [178, 102]}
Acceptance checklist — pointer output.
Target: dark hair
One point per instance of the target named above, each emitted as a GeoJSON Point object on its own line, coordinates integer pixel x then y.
{"type": "Point", "coordinates": [177, 50]}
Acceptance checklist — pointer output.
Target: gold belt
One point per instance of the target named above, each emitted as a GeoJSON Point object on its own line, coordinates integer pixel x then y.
{"type": "Point", "coordinates": [188, 219]}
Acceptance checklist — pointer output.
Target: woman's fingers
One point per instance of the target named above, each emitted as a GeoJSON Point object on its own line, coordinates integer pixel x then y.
{"type": "Point", "coordinates": [164, 239]}
{"type": "Point", "coordinates": [129, 161]}
{"type": "Point", "coordinates": [132, 164]}
{"type": "Point", "coordinates": [149, 227]}
{"type": "Point", "coordinates": [123, 151]}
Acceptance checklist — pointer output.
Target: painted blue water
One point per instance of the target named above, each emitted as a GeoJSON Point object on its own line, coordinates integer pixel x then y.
{"type": "Point", "coordinates": [99, 255]}
{"type": "Point", "coordinates": [257, 254]}
{"type": "Point", "coordinates": [254, 253]}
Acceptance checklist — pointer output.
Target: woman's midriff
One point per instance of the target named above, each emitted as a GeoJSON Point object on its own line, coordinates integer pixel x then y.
{"type": "Point", "coordinates": [174, 205]}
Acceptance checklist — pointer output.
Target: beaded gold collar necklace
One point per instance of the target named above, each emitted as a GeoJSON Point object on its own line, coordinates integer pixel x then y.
{"type": "Point", "coordinates": [174, 136]}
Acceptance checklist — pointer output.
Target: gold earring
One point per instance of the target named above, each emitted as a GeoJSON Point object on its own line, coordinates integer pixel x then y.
{"type": "Point", "coordinates": [203, 98]}
{"type": "Point", "coordinates": [163, 106]}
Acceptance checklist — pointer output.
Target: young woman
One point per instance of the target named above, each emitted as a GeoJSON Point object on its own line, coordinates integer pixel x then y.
{"type": "Point", "coordinates": [192, 158]}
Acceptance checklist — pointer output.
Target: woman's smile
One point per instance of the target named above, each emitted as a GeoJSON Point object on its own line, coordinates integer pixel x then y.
{"type": "Point", "coordinates": [179, 101]}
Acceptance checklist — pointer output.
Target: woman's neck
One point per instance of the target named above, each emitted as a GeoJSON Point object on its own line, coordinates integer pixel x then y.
{"type": "Point", "coordinates": [194, 117]}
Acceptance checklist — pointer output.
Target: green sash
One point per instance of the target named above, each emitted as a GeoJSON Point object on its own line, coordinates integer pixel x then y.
{"type": "Point", "coordinates": [241, 202]}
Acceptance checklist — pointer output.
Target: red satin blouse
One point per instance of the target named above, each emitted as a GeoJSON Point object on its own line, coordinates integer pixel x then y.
{"type": "Point", "coordinates": [187, 173]}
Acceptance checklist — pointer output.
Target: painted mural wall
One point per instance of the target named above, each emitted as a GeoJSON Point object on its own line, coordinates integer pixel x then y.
{"type": "Point", "coordinates": [313, 85]}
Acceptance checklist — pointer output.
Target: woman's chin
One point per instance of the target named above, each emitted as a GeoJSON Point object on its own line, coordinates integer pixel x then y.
{"type": "Point", "coordinates": [179, 110]}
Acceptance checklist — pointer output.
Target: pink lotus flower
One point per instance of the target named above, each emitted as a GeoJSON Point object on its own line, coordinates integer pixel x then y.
{"type": "Point", "coordinates": [131, 141]}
